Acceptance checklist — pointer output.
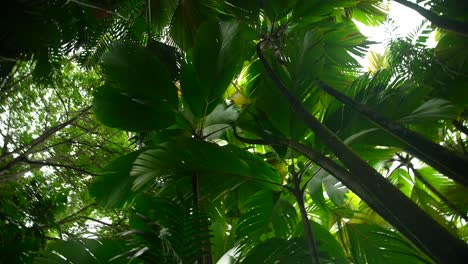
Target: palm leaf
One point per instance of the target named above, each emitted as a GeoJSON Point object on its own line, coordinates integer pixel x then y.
{"type": "Point", "coordinates": [82, 251]}
{"type": "Point", "coordinates": [265, 214]}
{"type": "Point", "coordinates": [374, 244]}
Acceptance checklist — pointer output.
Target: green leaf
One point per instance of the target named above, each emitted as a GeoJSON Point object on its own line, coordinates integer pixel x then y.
{"type": "Point", "coordinates": [432, 110]}
{"type": "Point", "coordinates": [255, 221]}
{"type": "Point", "coordinates": [374, 244]}
{"type": "Point", "coordinates": [276, 250]}
{"type": "Point", "coordinates": [119, 110]}
{"type": "Point", "coordinates": [113, 187]}
{"type": "Point", "coordinates": [187, 18]}
{"type": "Point", "coordinates": [82, 251]}
{"type": "Point", "coordinates": [139, 93]}
{"type": "Point", "coordinates": [218, 54]}
{"type": "Point", "coordinates": [371, 13]}
{"type": "Point", "coordinates": [245, 9]}
{"type": "Point", "coordinates": [277, 9]}
{"type": "Point", "coordinates": [336, 191]}
{"type": "Point", "coordinates": [315, 188]}
{"type": "Point", "coordinates": [329, 250]}
{"type": "Point", "coordinates": [280, 116]}
{"type": "Point", "coordinates": [295, 250]}
{"type": "Point", "coordinates": [138, 72]}
{"type": "Point", "coordinates": [187, 155]}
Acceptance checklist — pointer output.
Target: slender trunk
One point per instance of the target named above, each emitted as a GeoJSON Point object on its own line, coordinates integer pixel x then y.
{"type": "Point", "coordinates": [314, 258]}
{"type": "Point", "coordinates": [449, 163]}
{"type": "Point", "coordinates": [437, 20]}
{"type": "Point", "coordinates": [198, 206]}
{"type": "Point", "coordinates": [377, 192]}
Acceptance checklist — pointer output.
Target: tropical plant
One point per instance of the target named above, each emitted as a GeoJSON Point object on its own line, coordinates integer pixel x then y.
{"type": "Point", "coordinates": [260, 139]}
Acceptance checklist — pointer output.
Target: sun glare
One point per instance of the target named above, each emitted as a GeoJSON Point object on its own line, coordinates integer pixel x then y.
{"type": "Point", "coordinates": [404, 20]}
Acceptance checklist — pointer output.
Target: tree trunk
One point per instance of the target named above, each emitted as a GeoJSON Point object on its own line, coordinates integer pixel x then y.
{"type": "Point", "coordinates": [442, 159]}
{"type": "Point", "coordinates": [309, 235]}
{"type": "Point", "coordinates": [439, 21]}
{"type": "Point", "coordinates": [377, 192]}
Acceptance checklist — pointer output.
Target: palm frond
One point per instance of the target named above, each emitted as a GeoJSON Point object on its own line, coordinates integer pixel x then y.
{"type": "Point", "coordinates": [374, 244]}
{"type": "Point", "coordinates": [92, 251]}
{"type": "Point", "coordinates": [166, 231]}
{"type": "Point", "coordinates": [420, 34]}
{"type": "Point", "coordinates": [265, 214]}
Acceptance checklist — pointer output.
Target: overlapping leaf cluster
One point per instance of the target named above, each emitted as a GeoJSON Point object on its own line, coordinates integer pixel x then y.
{"type": "Point", "coordinates": [261, 141]}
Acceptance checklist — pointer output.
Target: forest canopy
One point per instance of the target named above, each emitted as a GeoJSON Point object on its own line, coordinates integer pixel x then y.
{"type": "Point", "coordinates": [232, 131]}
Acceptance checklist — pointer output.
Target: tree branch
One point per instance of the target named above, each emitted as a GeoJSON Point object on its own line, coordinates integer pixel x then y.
{"type": "Point", "coordinates": [75, 213]}
{"type": "Point", "coordinates": [375, 190]}
{"type": "Point", "coordinates": [440, 158]}
{"type": "Point", "coordinates": [58, 165]}
{"type": "Point", "coordinates": [437, 20]}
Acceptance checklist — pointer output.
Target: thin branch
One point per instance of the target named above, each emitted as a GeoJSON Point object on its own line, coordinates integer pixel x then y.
{"type": "Point", "coordinates": [214, 132]}
{"type": "Point", "coordinates": [252, 141]}
{"type": "Point", "coordinates": [6, 88]}
{"type": "Point", "coordinates": [307, 228]}
{"type": "Point", "coordinates": [57, 165]}
{"type": "Point", "coordinates": [62, 101]}
{"type": "Point", "coordinates": [75, 213]}
{"type": "Point", "coordinates": [96, 7]}
{"type": "Point", "coordinates": [51, 131]}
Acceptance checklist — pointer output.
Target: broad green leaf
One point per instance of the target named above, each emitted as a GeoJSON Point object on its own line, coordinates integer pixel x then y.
{"type": "Point", "coordinates": [82, 251]}
{"type": "Point", "coordinates": [277, 9]}
{"type": "Point", "coordinates": [256, 218]}
{"type": "Point", "coordinates": [73, 252]}
{"type": "Point", "coordinates": [119, 110]}
{"type": "Point", "coordinates": [284, 218]}
{"type": "Point", "coordinates": [374, 244]}
{"type": "Point", "coordinates": [329, 250]}
{"type": "Point", "coordinates": [402, 180]}
{"type": "Point", "coordinates": [221, 115]}
{"type": "Point", "coordinates": [139, 93]}
{"type": "Point", "coordinates": [277, 250]}
{"type": "Point", "coordinates": [186, 156]}
{"type": "Point", "coordinates": [139, 73]}
{"type": "Point", "coordinates": [279, 115]}
{"type": "Point", "coordinates": [336, 191]}
{"type": "Point", "coordinates": [187, 18]}
{"type": "Point", "coordinates": [161, 13]}
{"type": "Point", "coordinates": [218, 53]}
{"type": "Point", "coordinates": [245, 9]}
{"type": "Point", "coordinates": [315, 188]}
{"type": "Point", "coordinates": [113, 187]}
{"type": "Point", "coordinates": [295, 250]}
{"type": "Point", "coordinates": [371, 13]}
{"type": "Point", "coordinates": [432, 110]}
{"type": "Point", "coordinates": [265, 213]}
{"type": "Point", "coordinates": [194, 93]}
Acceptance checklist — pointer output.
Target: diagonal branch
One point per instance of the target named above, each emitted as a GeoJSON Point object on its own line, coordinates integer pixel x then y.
{"type": "Point", "coordinates": [437, 20]}
{"type": "Point", "coordinates": [75, 213]}
{"type": "Point", "coordinates": [448, 162]}
{"type": "Point", "coordinates": [41, 163]}
{"type": "Point", "coordinates": [40, 139]}
{"type": "Point", "coordinates": [376, 191]}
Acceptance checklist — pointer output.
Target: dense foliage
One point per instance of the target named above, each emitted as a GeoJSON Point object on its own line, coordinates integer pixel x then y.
{"type": "Point", "coordinates": [231, 131]}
